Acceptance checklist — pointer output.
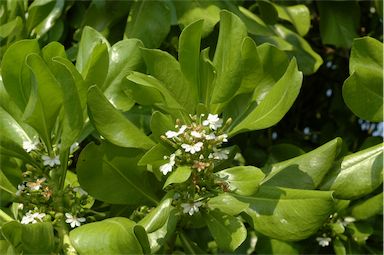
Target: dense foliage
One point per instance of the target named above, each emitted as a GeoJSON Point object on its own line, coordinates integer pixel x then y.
{"type": "Point", "coordinates": [138, 127]}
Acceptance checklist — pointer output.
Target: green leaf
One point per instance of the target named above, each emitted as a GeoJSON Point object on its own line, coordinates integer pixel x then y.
{"type": "Point", "coordinates": [160, 124]}
{"type": "Point", "coordinates": [361, 231]}
{"type": "Point", "coordinates": [267, 12]}
{"type": "Point", "coordinates": [46, 99]}
{"type": "Point", "coordinates": [112, 124]}
{"type": "Point", "coordinates": [166, 69]}
{"type": "Point", "coordinates": [10, 128]}
{"type": "Point", "coordinates": [357, 174]}
{"type": "Point", "coordinates": [10, 148]}
{"type": "Point", "coordinates": [6, 185]}
{"type": "Point", "coordinates": [339, 22]}
{"type": "Point", "coordinates": [149, 21]}
{"type": "Point", "coordinates": [110, 173]}
{"type": "Point", "coordinates": [180, 175]}
{"type": "Point", "coordinates": [243, 180]}
{"type": "Point", "coordinates": [190, 11]}
{"type": "Point", "coordinates": [189, 53]}
{"type": "Point", "coordinates": [15, 73]}
{"type": "Point", "coordinates": [160, 224]}
{"type": "Point", "coordinates": [35, 238]}
{"type": "Point", "coordinates": [207, 77]}
{"type": "Point", "coordinates": [92, 58]}
{"type": "Point", "coordinates": [288, 214]}
{"type": "Point", "coordinates": [267, 245]}
{"type": "Point", "coordinates": [228, 231]}
{"type": "Point", "coordinates": [111, 236]}
{"type": "Point", "coordinates": [368, 208]}
{"type": "Point", "coordinates": [155, 154]}
{"type": "Point", "coordinates": [73, 112]}
{"type": "Point", "coordinates": [275, 105]}
{"type": "Point", "coordinates": [282, 152]}
{"type": "Point", "coordinates": [227, 57]}
{"type": "Point", "coordinates": [363, 90]}
{"type": "Point", "coordinates": [297, 15]}
{"type": "Point", "coordinates": [305, 171]}
{"type": "Point", "coordinates": [339, 247]}
{"type": "Point", "coordinates": [125, 56]}
{"type": "Point", "coordinates": [227, 204]}
{"type": "Point", "coordinates": [147, 90]}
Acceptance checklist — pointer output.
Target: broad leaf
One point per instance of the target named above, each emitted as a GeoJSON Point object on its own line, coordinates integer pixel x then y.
{"type": "Point", "coordinates": [227, 57]}
{"type": "Point", "coordinates": [110, 173]}
{"type": "Point", "coordinates": [368, 208]}
{"type": "Point", "coordinates": [305, 171]}
{"type": "Point", "coordinates": [357, 174]}
{"type": "Point", "coordinates": [112, 124]}
{"type": "Point", "coordinates": [297, 15]}
{"type": "Point", "coordinates": [189, 53]}
{"type": "Point", "coordinates": [160, 124]}
{"type": "Point", "coordinates": [125, 56]}
{"type": "Point", "coordinates": [227, 204]}
{"type": "Point", "coordinates": [45, 101]}
{"type": "Point", "coordinates": [10, 128]}
{"type": "Point", "coordinates": [149, 21]}
{"type": "Point", "coordinates": [10, 148]}
{"type": "Point", "coordinates": [276, 103]}
{"type": "Point", "coordinates": [288, 214]}
{"type": "Point", "coordinates": [15, 73]}
{"type": "Point", "coordinates": [228, 231]}
{"type": "Point", "coordinates": [243, 180]}
{"type": "Point", "coordinates": [339, 22]}
{"type": "Point", "coordinates": [267, 245]}
{"type": "Point", "coordinates": [160, 224]}
{"type": "Point", "coordinates": [166, 69]}
{"type": "Point", "coordinates": [110, 236]}
{"type": "Point", "coordinates": [363, 90]}
{"type": "Point", "coordinates": [35, 238]}
{"type": "Point", "coordinates": [180, 175]}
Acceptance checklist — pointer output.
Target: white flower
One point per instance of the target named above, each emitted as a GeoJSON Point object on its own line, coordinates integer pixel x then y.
{"type": "Point", "coordinates": [80, 191]}
{"type": "Point", "coordinates": [348, 220]}
{"type": "Point", "coordinates": [196, 134]}
{"type": "Point", "coordinates": [192, 148]}
{"type": "Point", "coordinates": [172, 134]}
{"type": "Point", "coordinates": [48, 161]}
{"type": "Point", "coordinates": [30, 217]}
{"type": "Point", "coordinates": [211, 136]}
{"type": "Point", "coordinates": [73, 220]}
{"type": "Point", "coordinates": [223, 137]}
{"type": "Point", "coordinates": [35, 185]}
{"type": "Point", "coordinates": [20, 189]}
{"type": "Point", "coordinates": [219, 154]}
{"type": "Point", "coordinates": [73, 147]}
{"type": "Point", "coordinates": [167, 167]}
{"type": "Point", "coordinates": [29, 146]}
{"type": "Point", "coordinates": [191, 208]}
{"type": "Point", "coordinates": [324, 240]}
{"type": "Point", "coordinates": [213, 121]}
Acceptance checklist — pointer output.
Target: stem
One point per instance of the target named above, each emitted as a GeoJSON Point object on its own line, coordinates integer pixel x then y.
{"type": "Point", "coordinates": [67, 246]}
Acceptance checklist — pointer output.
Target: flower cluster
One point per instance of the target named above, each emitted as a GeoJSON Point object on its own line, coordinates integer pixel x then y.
{"type": "Point", "coordinates": [197, 145]}
{"type": "Point", "coordinates": [39, 198]}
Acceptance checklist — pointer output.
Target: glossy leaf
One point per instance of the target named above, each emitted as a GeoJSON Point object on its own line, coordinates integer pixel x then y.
{"type": "Point", "coordinates": [112, 124]}
{"type": "Point", "coordinates": [273, 246]}
{"type": "Point", "coordinates": [11, 128]}
{"type": "Point", "coordinates": [160, 224]}
{"type": "Point", "coordinates": [167, 69]}
{"type": "Point", "coordinates": [15, 73]}
{"type": "Point", "coordinates": [160, 124]}
{"type": "Point", "coordinates": [110, 236]}
{"type": "Point", "coordinates": [46, 100]}
{"type": "Point", "coordinates": [35, 238]}
{"type": "Point", "coordinates": [227, 204]}
{"type": "Point", "coordinates": [228, 231]}
{"type": "Point", "coordinates": [149, 21]}
{"type": "Point", "coordinates": [125, 56]}
{"type": "Point", "coordinates": [357, 174]}
{"type": "Point", "coordinates": [6, 185]}
{"type": "Point", "coordinates": [110, 173]}
{"type": "Point", "coordinates": [11, 149]}
{"type": "Point", "coordinates": [90, 39]}
{"type": "Point", "coordinates": [243, 180]}
{"type": "Point", "coordinates": [363, 90]}
{"type": "Point", "coordinates": [339, 22]}
{"type": "Point", "coordinates": [305, 171]}
{"type": "Point", "coordinates": [275, 105]}
{"type": "Point", "coordinates": [189, 12]}
{"type": "Point", "coordinates": [155, 154]}
{"type": "Point", "coordinates": [227, 57]}
{"type": "Point", "coordinates": [368, 208]}
{"type": "Point", "coordinates": [297, 15]}
{"type": "Point", "coordinates": [288, 214]}
{"type": "Point", "coordinates": [179, 175]}
{"type": "Point", "coordinates": [189, 53]}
